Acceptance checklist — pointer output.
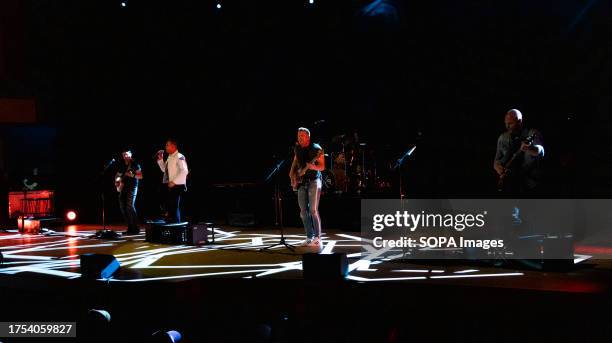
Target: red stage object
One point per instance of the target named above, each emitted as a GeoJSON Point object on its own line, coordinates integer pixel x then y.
{"type": "Point", "coordinates": [28, 225]}
{"type": "Point", "coordinates": [31, 204]}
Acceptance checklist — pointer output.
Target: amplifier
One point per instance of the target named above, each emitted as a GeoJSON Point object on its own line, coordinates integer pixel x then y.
{"type": "Point", "coordinates": [177, 233]}
{"type": "Point", "coordinates": [34, 226]}
{"type": "Point", "coordinates": [324, 266]}
{"type": "Point", "coordinates": [547, 251]}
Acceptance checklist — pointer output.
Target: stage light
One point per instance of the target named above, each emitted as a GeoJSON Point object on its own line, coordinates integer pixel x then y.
{"type": "Point", "coordinates": [311, 2]}
{"type": "Point", "coordinates": [71, 215]}
{"type": "Point", "coordinates": [123, 4]}
{"type": "Point", "coordinates": [218, 6]}
{"type": "Point", "coordinates": [167, 336]}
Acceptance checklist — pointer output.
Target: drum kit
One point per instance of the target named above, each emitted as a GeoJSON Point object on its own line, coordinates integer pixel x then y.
{"type": "Point", "coordinates": [354, 167]}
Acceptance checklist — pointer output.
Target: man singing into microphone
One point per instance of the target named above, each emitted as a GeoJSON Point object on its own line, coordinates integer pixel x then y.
{"type": "Point", "coordinates": [175, 176]}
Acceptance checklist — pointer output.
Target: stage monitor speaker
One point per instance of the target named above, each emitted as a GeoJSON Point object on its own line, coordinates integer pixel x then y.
{"type": "Point", "coordinates": [555, 251]}
{"type": "Point", "coordinates": [197, 234]}
{"type": "Point", "coordinates": [98, 266]}
{"type": "Point", "coordinates": [177, 233]}
{"type": "Point", "coordinates": [324, 266]}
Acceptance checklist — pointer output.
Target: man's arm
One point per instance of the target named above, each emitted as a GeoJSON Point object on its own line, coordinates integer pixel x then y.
{"type": "Point", "coordinates": [319, 164]}
{"type": "Point", "coordinates": [293, 166]}
{"type": "Point", "coordinates": [182, 170]}
{"type": "Point", "coordinates": [536, 148]}
{"type": "Point", "coordinates": [161, 164]}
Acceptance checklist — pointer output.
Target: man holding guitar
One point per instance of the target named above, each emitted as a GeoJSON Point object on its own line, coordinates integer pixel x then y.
{"type": "Point", "coordinates": [305, 174]}
{"type": "Point", "coordinates": [126, 181]}
{"type": "Point", "coordinates": [518, 157]}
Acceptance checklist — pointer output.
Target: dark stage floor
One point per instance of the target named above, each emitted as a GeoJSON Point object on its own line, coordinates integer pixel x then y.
{"type": "Point", "coordinates": [215, 293]}
{"type": "Point", "coordinates": [237, 254]}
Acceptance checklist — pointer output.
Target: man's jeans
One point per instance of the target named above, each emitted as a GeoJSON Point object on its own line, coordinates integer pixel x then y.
{"type": "Point", "coordinates": [309, 194]}
{"type": "Point", "coordinates": [127, 200]}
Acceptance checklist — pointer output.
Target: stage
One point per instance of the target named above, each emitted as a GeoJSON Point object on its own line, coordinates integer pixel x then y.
{"type": "Point", "coordinates": [221, 290]}
{"type": "Point", "coordinates": [237, 253]}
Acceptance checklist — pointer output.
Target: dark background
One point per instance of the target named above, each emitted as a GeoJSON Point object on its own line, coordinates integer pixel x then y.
{"type": "Point", "coordinates": [233, 84]}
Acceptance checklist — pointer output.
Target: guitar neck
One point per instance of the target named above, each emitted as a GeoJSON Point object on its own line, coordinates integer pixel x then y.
{"type": "Point", "coordinates": [511, 160]}
{"type": "Point", "coordinates": [529, 140]}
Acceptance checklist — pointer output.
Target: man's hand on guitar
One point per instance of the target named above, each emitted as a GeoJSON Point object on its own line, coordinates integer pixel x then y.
{"type": "Point", "coordinates": [311, 166]}
{"type": "Point", "coordinates": [526, 146]}
{"type": "Point", "coordinates": [499, 169]}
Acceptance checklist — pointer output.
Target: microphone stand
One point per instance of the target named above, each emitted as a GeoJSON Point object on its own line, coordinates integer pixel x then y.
{"type": "Point", "coordinates": [398, 166]}
{"type": "Point", "coordinates": [278, 208]}
{"type": "Point", "coordinates": [104, 232]}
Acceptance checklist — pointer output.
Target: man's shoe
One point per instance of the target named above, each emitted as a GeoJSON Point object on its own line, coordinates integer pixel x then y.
{"type": "Point", "coordinates": [305, 243]}
{"type": "Point", "coordinates": [315, 243]}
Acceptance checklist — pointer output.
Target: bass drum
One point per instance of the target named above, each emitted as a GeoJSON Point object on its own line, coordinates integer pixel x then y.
{"type": "Point", "coordinates": [328, 180]}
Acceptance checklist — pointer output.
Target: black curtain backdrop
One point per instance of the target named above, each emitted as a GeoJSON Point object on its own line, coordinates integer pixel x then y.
{"type": "Point", "coordinates": [233, 84]}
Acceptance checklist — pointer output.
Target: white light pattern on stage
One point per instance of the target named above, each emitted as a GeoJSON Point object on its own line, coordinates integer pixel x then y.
{"type": "Point", "coordinates": [30, 257]}
{"type": "Point", "coordinates": [466, 271]}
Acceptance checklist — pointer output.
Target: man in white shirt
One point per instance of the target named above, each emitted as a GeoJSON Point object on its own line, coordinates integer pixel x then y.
{"type": "Point", "coordinates": [175, 176]}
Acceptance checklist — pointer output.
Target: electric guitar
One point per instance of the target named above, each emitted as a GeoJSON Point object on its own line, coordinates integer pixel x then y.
{"type": "Point", "coordinates": [119, 183]}
{"type": "Point", "coordinates": [119, 179]}
{"type": "Point", "coordinates": [298, 174]}
{"type": "Point", "coordinates": [501, 179]}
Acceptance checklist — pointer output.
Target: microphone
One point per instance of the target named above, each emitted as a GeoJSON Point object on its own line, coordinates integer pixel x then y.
{"type": "Point", "coordinates": [157, 153]}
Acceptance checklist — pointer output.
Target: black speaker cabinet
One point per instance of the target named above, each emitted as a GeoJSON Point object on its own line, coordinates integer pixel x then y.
{"type": "Point", "coordinates": [547, 251]}
{"type": "Point", "coordinates": [98, 266]}
{"type": "Point", "coordinates": [324, 266]}
{"type": "Point", "coordinates": [177, 233]}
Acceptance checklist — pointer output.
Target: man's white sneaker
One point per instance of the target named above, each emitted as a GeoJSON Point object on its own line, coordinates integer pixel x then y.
{"type": "Point", "coordinates": [315, 242]}
{"type": "Point", "coordinates": [305, 243]}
